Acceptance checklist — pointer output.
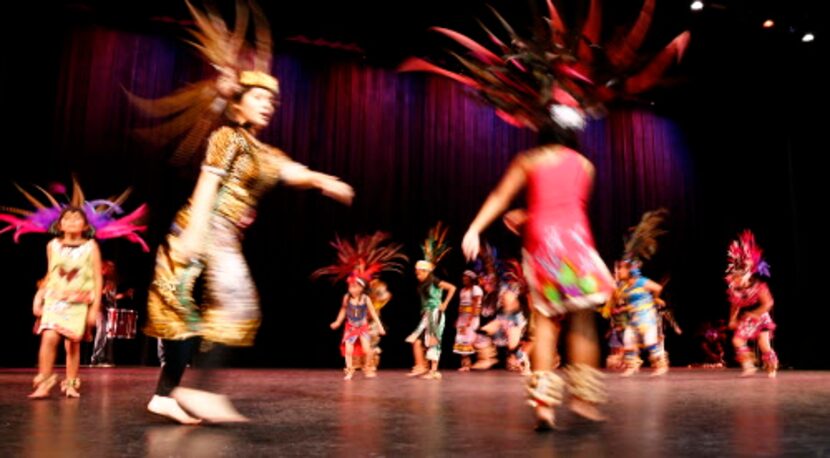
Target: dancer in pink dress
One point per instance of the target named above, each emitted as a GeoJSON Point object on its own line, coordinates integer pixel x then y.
{"type": "Point", "coordinates": [565, 274]}
{"type": "Point", "coordinates": [551, 83]}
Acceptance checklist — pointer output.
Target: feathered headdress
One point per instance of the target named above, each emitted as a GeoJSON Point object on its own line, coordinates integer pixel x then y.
{"type": "Point", "coordinates": [193, 111]}
{"type": "Point", "coordinates": [435, 248]}
{"type": "Point", "coordinates": [102, 214]}
{"type": "Point", "coordinates": [641, 243]}
{"type": "Point", "coordinates": [745, 257]}
{"type": "Point", "coordinates": [364, 259]}
{"type": "Point", "coordinates": [514, 277]}
{"type": "Point", "coordinates": [553, 79]}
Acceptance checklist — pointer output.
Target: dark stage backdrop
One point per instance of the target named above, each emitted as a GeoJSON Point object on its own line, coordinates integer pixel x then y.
{"type": "Point", "coordinates": [417, 150]}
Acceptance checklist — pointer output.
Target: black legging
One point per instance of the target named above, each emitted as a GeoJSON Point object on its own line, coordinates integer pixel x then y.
{"type": "Point", "coordinates": [178, 353]}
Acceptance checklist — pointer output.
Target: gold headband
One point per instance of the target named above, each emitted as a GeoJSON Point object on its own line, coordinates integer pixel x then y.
{"type": "Point", "coordinates": [259, 79]}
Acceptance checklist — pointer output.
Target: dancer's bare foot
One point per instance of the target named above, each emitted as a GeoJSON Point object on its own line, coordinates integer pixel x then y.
{"type": "Point", "coordinates": [432, 375]}
{"type": "Point", "coordinates": [749, 371]}
{"type": "Point", "coordinates": [71, 392]}
{"type": "Point", "coordinates": [70, 387]}
{"type": "Point", "coordinates": [586, 409]}
{"type": "Point", "coordinates": [168, 407]}
{"type": "Point", "coordinates": [545, 418]}
{"type": "Point", "coordinates": [215, 408]}
{"type": "Point", "coordinates": [629, 371]}
{"type": "Point", "coordinates": [660, 370]}
{"type": "Point", "coordinates": [416, 371]}
{"type": "Point", "coordinates": [43, 386]}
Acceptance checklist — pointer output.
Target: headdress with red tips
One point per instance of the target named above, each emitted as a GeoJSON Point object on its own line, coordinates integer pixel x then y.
{"type": "Point", "coordinates": [363, 259]}
{"type": "Point", "coordinates": [746, 257]}
{"type": "Point", "coordinates": [557, 77]}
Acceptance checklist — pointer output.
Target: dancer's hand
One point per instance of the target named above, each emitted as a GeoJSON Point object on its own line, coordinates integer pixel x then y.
{"type": "Point", "coordinates": [471, 244]}
{"type": "Point", "coordinates": [334, 188]}
{"type": "Point", "coordinates": [334, 325]}
{"type": "Point", "coordinates": [382, 331]}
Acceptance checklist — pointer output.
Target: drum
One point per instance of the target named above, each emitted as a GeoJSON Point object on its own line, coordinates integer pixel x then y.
{"type": "Point", "coordinates": [121, 323]}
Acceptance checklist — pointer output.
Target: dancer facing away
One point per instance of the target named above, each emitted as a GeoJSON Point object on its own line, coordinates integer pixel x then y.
{"type": "Point", "coordinates": [550, 83]}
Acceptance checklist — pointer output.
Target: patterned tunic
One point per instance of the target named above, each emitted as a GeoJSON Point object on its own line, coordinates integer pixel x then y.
{"type": "Point", "coordinates": [230, 312]}
{"type": "Point", "coordinates": [70, 289]}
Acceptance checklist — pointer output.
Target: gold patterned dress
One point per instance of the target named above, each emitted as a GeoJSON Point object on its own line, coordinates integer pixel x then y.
{"type": "Point", "coordinates": [230, 312]}
{"type": "Point", "coordinates": [70, 289]}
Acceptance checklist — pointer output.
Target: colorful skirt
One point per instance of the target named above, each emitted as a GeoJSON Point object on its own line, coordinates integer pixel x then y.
{"type": "Point", "coordinates": [66, 318]}
{"type": "Point", "coordinates": [352, 334]}
{"type": "Point", "coordinates": [751, 326]}
{"type": "Point", "coordinates": [642, 328]}
{"type": "Point", "coordinates": [230, 314]}
{"type": "Point", "coordinates": [431, 327]}
{"type": "Point", "coordinates": [565, 273]}
{"type": "Point", "coordinates": [465, 336]}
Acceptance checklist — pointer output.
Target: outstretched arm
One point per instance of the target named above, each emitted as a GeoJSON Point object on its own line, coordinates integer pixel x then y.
{"type": "Point", "coordinates": [299, 176]}
{"type": "Point", "coordinates": [497, 202]}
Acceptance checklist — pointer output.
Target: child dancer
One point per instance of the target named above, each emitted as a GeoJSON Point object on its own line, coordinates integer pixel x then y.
{"type": "Point", "coordinates": [641, 297]}
{"type": "Point", "coordinates": [358, 263]}
{"type": "Point", "coordinates": [469, 310]}
{"type": "Point", "coordinates": [426, 339]}
{"type": "Point", "coordinates": [510, 325]}
{"type": "Point", "coordinates": [68, 300]}
{"type": "Point", "coordinates": [751, 303]}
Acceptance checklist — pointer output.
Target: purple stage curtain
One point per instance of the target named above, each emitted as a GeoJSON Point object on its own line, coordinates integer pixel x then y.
{"type": "Point", "coordinates": [417, 149]}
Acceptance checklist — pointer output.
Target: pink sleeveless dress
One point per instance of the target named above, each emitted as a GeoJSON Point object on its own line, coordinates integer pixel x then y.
{"type": "Point", "coordinates": [564, 271]}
